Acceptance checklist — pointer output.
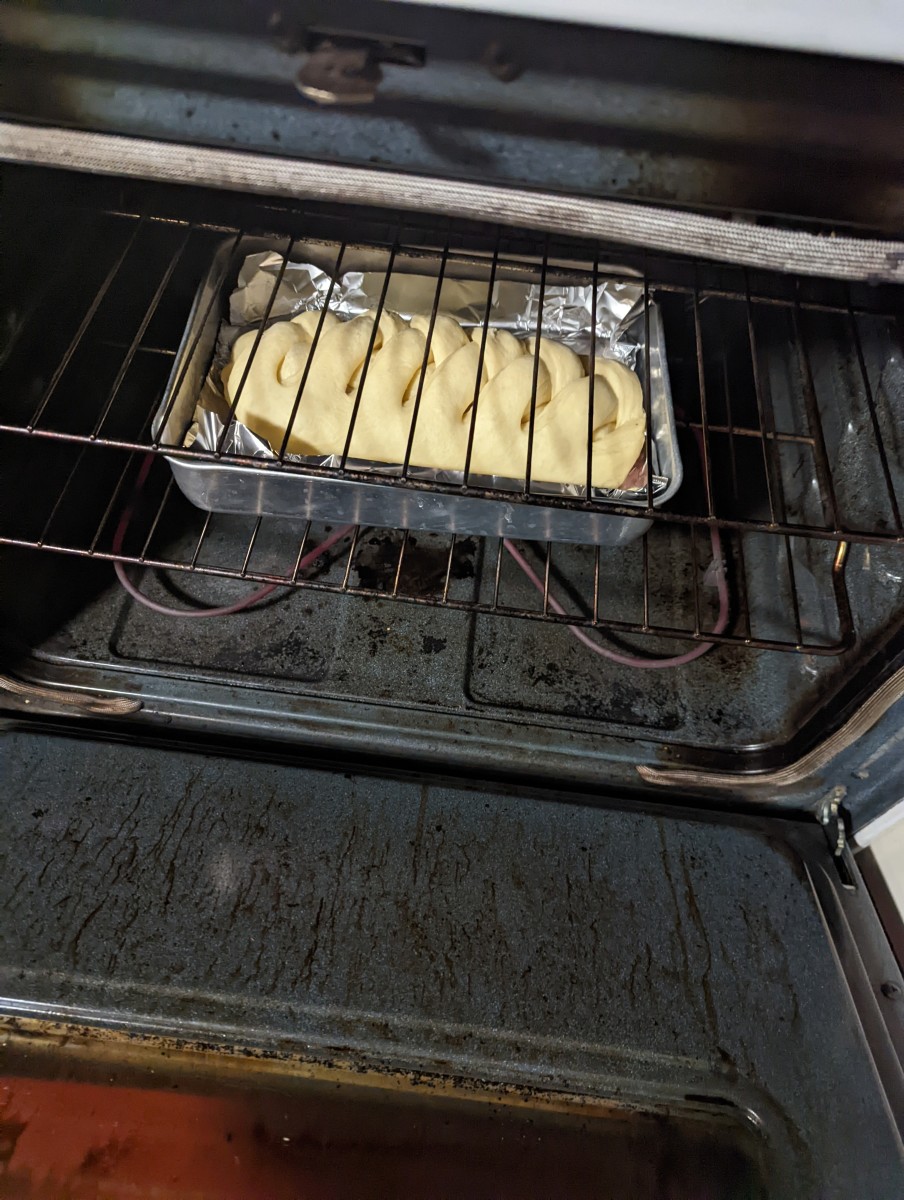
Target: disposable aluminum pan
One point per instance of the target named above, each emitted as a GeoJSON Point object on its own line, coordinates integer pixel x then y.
{"type": "Point", "coordinates": [234, 297]}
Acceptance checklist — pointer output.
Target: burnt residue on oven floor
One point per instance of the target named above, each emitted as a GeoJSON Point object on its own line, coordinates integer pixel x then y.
{"type": "Point", "coordinates": [362, 647]}
{"type": "Point", "coordinates": [425, 562]}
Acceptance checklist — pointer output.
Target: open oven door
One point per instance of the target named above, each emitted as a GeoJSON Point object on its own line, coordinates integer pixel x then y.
{"type": "Point", "coordinates": [702, 1001]}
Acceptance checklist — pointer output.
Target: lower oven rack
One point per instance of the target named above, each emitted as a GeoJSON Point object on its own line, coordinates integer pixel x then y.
{"type": "Point", "coordinates": [660, 587]}
{"type": "Point", "coordinates": [786, 392]}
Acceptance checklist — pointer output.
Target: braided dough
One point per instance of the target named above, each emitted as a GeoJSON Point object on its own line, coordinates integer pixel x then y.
{"type": "Point", "coordinates": [509, 374]}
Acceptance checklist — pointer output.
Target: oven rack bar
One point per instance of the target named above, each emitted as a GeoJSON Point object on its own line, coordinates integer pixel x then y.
{"type": "Point", "coordinates": [754, 448]}
{"type": "Point", "coordinates": [662, 586]}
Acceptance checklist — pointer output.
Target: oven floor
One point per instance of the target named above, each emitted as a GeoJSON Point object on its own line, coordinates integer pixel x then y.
{"type": "Point", "coordinates": [380, 675]}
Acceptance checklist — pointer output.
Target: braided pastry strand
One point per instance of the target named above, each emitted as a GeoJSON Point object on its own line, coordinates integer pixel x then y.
{"type": "Point", "coordinates": [271, 376]}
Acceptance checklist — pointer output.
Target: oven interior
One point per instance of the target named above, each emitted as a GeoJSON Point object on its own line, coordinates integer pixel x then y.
{"type": "Point", "coordinates": [789, 397]}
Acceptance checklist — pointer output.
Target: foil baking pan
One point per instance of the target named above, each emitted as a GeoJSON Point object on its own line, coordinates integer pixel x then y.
{"type": "Point", "coordinates": [238, 292]}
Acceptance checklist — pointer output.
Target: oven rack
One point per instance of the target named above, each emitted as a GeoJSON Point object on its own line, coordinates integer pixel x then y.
{"type": "Point", "coordinates": [663, 585]}
{"type": "Point", "coordinates": [790, 388]}
{"type": "Point", "coordinates": [779, 378]}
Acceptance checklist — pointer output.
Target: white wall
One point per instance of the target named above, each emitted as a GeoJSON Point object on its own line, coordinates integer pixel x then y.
{"type": "Point", "coordinates": [856, 28]}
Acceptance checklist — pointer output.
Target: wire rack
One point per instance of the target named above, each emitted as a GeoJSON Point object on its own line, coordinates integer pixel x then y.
{"type": "Point", "coordinates": [793, 391]}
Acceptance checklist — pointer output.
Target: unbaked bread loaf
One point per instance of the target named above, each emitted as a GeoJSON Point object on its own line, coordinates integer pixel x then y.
{"type": "Point", "coordinates": [267, 386]}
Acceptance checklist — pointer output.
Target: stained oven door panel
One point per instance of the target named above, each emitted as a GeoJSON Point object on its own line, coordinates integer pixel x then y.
{"type": "Point", "coordinates": [673, 963]}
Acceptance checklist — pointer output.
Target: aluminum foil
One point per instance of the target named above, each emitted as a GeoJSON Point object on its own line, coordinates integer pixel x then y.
{"type": "Point", "coordinates": [567, 317]}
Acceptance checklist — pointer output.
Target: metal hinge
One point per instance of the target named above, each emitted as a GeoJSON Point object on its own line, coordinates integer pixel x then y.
{"type": "Point", "coordinates": [829, 816]}
{"type": "Point", "coordinates": [88, 702]}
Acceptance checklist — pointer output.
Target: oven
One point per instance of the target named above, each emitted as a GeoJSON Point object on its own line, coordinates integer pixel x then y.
{"type": "Point", "coordinates": [508, 811]}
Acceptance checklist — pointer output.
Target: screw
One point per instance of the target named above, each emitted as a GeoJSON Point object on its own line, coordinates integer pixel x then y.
{"type": "Point", "coordinates": [890, 990]}
{"type": "Point", "coordinates": [500, 63]}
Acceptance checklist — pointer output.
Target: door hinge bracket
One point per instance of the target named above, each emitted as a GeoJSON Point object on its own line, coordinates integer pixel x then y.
{"type": "Point", "coordinates": [830, 818]}
{"type": "Point", "coordinates": [88, 702]}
